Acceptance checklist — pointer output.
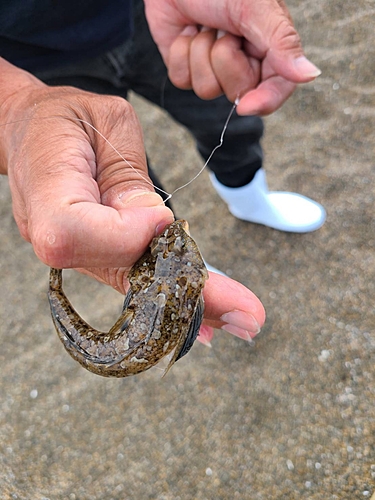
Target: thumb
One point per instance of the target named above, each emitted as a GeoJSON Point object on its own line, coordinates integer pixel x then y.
{"type": "Point", "coordinates": [295, 69]}
{"type": "Point", "coordinates": [280, 43]}
{"type": "Point", "coordinates": [130, 211]}
{"type": "Point", "coordinates": [121, 163]}
{"type": "Point", "coordinates": [85, 205]}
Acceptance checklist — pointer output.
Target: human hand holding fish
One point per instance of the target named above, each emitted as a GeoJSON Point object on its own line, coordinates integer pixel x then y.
{"type": "Point", "coordinates": [161, 316]}
{"type": "Point", "coordinates": [84, 204]}
{"type": "Point", "coordinates": [81, 206]}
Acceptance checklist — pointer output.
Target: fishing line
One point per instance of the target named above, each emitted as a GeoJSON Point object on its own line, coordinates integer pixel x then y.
{"type": "Point", "coordinates": [168, 195]}
{"type": "Point", "coordinates": [212, 152]}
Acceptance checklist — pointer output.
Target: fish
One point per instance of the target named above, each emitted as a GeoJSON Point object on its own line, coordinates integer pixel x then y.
{"type": "Point", "coordinates": [161, 316]}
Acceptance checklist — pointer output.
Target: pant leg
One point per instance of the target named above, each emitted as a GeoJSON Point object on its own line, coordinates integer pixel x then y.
{"type": "Point", "coordinates": [240, 156]}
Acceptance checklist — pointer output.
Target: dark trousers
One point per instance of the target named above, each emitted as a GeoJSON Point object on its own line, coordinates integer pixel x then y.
{"type": "Point", "coordinates": [137, 65]}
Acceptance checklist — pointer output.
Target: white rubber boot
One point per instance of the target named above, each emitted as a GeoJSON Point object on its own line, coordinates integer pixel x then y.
{"type": "Point", "coordinates": [213, 269]}
{"type": "Point", "coordinates": [280, 210]}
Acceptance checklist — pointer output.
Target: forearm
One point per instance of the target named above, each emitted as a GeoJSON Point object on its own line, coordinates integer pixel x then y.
{"type": "Point", "coordinates": [15, 85]}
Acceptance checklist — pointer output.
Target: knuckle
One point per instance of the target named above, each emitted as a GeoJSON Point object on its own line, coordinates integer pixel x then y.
{"type": "Point", "coordinates": [118, 106]}
{"type": "Point", "coordinates": [285, 36]}
{"type": "Point", "coordinates": [114, 106]}
{"type": "Point", "coordinates": [180, 78]}
{"type": "Point", "coordinates": [208, 91]}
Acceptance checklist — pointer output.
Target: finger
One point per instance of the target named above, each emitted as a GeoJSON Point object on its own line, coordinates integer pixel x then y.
{"type": "Point", "coordinates": [114, 277]}
{"type": "Point", "coordinates": [232, 307]}
{"type": "Point", "coordinates": [203, 78]}
{"type": "Point", "coordinates": [206, 334]}
{"type": "Point", "coordinates": [119, 160]}
{"type": "Point", "coordinates": [234, 70]}
{"type": "Point", "coordinates": [67, 223]}
{"type": "Point", "coordinates": [87, 234]}
{"type": "Point", "coordinates": [285, 10]}
{"type": "Point", "coordinates": [266, 25]}
{"type": "Point", "coordinates": [266, 98]}
{"type": "Point", "coordinates": [178, 61]}
{"type": "Point", "coordinates": [272, 32]}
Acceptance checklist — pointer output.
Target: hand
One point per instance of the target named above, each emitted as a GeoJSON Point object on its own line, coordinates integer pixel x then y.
{"type": "Point", "coordinates": [256, 54]}
{"type": "Point", "coordinates": [78, 203]}
{"type": "Point", "coordinates": [74, 198]}
{"type": "Point", "coordinates": [231, 307]}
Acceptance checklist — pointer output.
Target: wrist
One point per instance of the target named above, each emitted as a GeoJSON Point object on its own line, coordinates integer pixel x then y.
{"type": "Point", "coordinates": [15, 86]}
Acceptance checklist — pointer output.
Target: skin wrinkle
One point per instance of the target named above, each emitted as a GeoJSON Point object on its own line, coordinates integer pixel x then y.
{"type": "Point", "coordinates": [67, 197]}
{"type": "Point", "coordinates": [249, 25]}
{"type": "Point", "coordinates": [289, 37]}
{"type": "Point", "coordinates": [90, 155]}
{"type": "Point", "coordinates": [116, 107]}
{"type": "Point", "coordinates": [108, 162]}
{"type": "Point", "coordinates": [108, 184]}
{"type": "Point", "coordinates": [227, 51]}
{"type": "Point", "coordinates": [233, 24]}
{"type": "Point", "coordinates": [285, 11]}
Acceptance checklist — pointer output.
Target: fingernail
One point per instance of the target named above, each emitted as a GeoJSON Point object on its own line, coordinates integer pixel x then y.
{"type": "Point", "coordinates": [206, 334]}
{"type": "Point", "coordinates": [306, 67]}
{"type": "Point", "coordinates": [205, 342]}
{"type": "Point", "coordinates": [163, 224]}
{"type": "Point", "coordinates": [189, 31]}
{"type": "Point", "coordinates": [240, 333]}
{"type": "Point", "coordinates": [240, 320]}
{"type": "Point", "coordinates": [140, 197]}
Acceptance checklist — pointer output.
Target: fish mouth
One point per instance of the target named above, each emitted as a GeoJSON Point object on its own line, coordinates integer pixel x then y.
{"type": "Point", "coordinates": [184, 224]}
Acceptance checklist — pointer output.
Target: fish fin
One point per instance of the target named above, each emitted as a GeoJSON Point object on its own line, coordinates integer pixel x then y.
{"type": "Point", "coordinates": [186, 343]}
